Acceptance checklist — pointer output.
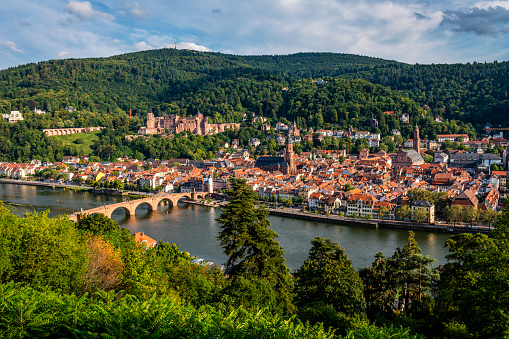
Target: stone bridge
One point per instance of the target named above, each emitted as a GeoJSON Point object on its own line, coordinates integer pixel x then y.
{"type": "Point", "coordinates": [130, 206]}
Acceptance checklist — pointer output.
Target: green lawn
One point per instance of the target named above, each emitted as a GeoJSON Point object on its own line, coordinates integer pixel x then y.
{"type": "Point", "coordinates": [87, 139]}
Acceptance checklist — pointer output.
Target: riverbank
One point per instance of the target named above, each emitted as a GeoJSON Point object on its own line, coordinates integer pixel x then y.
{"type": "Point", "coordinates": [90, 189]}
{"type": "Point", "coordinates": [377, 223]}
{"type": "Point", "coordinates": [285, 212]}
{"type": "Point", "coordinates": [370, 223]}
{"type": "Point", "coordinates": [45, 184]}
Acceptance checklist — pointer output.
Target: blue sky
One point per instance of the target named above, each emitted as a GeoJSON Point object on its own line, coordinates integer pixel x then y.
{"type": "Point", "coordinates": [427, 31]}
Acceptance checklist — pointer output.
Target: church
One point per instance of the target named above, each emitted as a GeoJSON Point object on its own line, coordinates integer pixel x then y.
{"type": "Point", "coordinates": [284, 164]}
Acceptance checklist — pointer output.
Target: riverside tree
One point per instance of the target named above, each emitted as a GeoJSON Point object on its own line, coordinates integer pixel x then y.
{"type": "Point", "coordinates": [255, 264]}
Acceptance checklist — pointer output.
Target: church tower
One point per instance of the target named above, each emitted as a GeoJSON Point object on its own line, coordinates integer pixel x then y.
{"type": "Point", "coordinates": [290, 156]}
{"type": "Point", "coordinates": [417, 140]}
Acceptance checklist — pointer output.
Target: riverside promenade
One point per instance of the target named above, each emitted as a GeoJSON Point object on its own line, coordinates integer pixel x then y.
{"type": "Point", "coordinates": [377, 223]}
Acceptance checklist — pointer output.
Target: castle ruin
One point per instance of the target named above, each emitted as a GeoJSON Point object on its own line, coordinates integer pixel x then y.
{"type": "Point", "coordinates": [197, 125]}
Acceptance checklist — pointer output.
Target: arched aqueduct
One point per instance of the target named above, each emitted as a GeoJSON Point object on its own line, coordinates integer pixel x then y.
{"type": "Point", "coordinates": [65, 131]}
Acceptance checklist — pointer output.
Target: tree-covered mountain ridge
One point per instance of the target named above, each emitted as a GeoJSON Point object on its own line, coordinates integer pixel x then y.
{"type": "Point", "coordinates": [168, 81]}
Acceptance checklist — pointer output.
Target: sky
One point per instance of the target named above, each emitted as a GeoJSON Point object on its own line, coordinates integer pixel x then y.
{"type": "Point", "coordinates": [425, 32]}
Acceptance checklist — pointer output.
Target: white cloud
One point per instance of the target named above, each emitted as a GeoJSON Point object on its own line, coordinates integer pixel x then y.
{"type": "Point", "coordinates": [136, 11]}
{"type": "Point", "coordinates": [143, 46]}
{"type": "Point", "coordinates": [84, 10]}
{"type": "Point", "coordinates": [191, 46]}
{"type": "Point", "coordinates": [12, 46]}
{"type": "Point", "coordinates": [64, 54]}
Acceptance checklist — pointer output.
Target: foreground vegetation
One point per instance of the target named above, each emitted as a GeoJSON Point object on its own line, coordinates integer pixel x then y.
{"type": "Point", "coordinates": [90, 279]}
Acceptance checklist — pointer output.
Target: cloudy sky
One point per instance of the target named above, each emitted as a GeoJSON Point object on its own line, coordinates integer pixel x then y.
{"type": "Point", "coordinates": [425, 31]}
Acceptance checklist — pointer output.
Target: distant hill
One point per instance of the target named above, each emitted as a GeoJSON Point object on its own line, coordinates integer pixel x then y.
{"type": "Point", "coordinates": [221, 85]}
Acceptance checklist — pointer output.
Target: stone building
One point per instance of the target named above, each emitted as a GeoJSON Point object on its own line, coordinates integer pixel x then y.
{"type": "Point", "coordinates": [197, 125]}
{"type": "Point", "coordinates": [284, 164]}
{"type": "Point", "coordinates": [406, 158]}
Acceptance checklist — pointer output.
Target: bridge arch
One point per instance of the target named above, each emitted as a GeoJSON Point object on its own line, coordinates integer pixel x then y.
{"type": "Point", "coordinates": [150, 206]}
{"type": "Point", "coordinates": [124, 208]}
{"type": "Point", "coordinates": [172, 202]}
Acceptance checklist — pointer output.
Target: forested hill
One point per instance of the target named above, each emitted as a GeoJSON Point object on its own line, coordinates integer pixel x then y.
{"type": "Point", "coordinates": [168, 80]}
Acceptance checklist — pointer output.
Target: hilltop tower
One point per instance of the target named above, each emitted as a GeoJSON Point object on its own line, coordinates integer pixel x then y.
{"type": "Point", "coordinates": [417, 140]}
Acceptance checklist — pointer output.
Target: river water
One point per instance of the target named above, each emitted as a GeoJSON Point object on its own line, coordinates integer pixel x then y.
{"type": "Point", "coordinates": [194, 228]}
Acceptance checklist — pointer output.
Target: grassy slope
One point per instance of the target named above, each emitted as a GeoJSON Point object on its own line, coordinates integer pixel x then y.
{"type": "Point", "coordinates": [88, 140]}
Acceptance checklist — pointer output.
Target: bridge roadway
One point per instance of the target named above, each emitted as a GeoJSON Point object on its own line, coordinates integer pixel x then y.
{"type": "Point", "coordinates": [131, 205]}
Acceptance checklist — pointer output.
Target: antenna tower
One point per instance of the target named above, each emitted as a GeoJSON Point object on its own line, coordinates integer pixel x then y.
{"type": "Point", "coordinates": [175, 43]}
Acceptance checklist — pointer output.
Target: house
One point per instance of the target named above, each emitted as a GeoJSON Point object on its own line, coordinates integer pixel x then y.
{"type": "Point", "coordinates": [405, 118]}
{"type": "Point", "coordinates": [453, 137]}
{"type": "Point", "coordinates": [360, 205]}
{"type": "Point", "coordinates": [425, 206]}
{"type": "Point", "coordinates": [466, 199]}
{"type": "Point", "coordinates": [378, 205]}
{"type": "Point", "coordinates": [15, 116]}
{"type": "Point", "coordinates": [441, 157]}
{"type": "Point", "coordinates": [141, 238]}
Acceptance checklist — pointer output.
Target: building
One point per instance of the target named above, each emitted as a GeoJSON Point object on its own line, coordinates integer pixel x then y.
{"type": "Point", "coordinates": [407, 159]}
{"type": "Point", "coordinates": [440, 157]}
{"type": "Point", "coordinates": [466, 199]}
{"type": "Point", "coordinates": [197, 125]}
{"type": "Point", "coordinates": [15, 116]}
{"type": "Point", "coordinates": [284, 164]}
{"type": "Point", "coordinates": [474, 161]}
{"type": "Point", "coordinates": [426, 206]}
{"type": "Point", "coordinates": [360, 205]}
{"type": "Point", "coordinates": [453, 137]}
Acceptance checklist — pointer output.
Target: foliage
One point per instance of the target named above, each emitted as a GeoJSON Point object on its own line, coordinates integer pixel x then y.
{"type": "Point", "coordinates": [374, 332]}
{"type": "Point", "coordinates": [400, 284]}
{"type": "Point", "coordinates": [249, 243]}
{"type": "Point", "coordinates": [404, 212]}
{"type": "Point", "coordinates": [41, 251]}
{"type": "Point", "coordinates": [25, 312]}
{"type": "Point", "coordinates": [474, 285]}
{"type": "Point", "coordinates": [327, 281]}
{"type": "Point", "coordinates": [104, 266]}
{"type": "Point", "coordinates": [97, 223]}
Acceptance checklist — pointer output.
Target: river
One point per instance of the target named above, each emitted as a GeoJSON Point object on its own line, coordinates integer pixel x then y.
{"type": "Point", "coordinates": [195, 229]}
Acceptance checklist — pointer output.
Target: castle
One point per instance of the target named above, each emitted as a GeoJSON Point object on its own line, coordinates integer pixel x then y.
{"type": "Point", "coordinates": [197, 125]}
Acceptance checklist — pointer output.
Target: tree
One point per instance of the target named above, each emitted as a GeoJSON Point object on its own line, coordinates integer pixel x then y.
{"type": "Point", "coordinates": [454, 214]}
{"type": "Point", "coordinates": [97, 223]}
{"type": "Point", "coordinates": [420, 214]}
{"type": "Point", "coordinates": [104, 266]}
{"type": "Point", "coordinates": [413, 273]}
{"type": "Point", "coordinates": [470, 214]}
{"type": "Point", "coordinates": [327, 277]}
{"type": "Point", "coordinates": [428, 158]}
{"type": "Point", "coordinates": [379, 287]}
{"type": "Point", "coordinates": [247, 240]}
{"type": "Point", "coordinates": [488, 216]}
{"type": "Point", "coordinates": [404, 212]}
{"type": "Point", "coordinates": [383, 211]}
{"type": "Point", "coordinates": [474, 286]}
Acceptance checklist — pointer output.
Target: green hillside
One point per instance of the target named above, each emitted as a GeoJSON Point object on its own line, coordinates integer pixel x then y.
{"type": "Point", "coordinates": [165, 81]}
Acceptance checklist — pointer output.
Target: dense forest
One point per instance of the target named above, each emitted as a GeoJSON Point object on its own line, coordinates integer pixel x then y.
{"type": "Point", "coordinates": [166, 80]}
{"type": "Point", "coordinates": [225, 88]}
{"type": "Point", "coordinates": [90, 279]}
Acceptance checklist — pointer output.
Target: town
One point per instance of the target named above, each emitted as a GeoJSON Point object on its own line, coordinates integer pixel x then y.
{"type": "Point", "coordinates": [409, 184]}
